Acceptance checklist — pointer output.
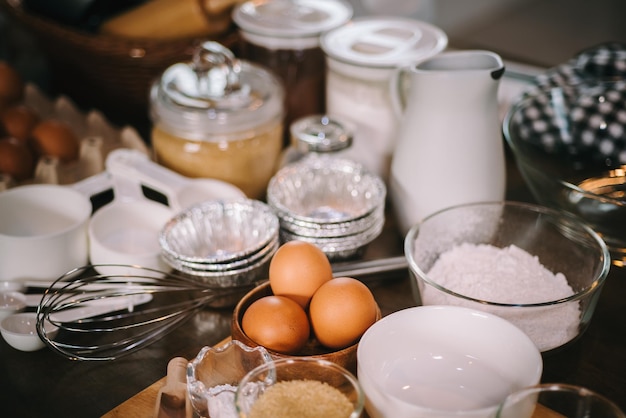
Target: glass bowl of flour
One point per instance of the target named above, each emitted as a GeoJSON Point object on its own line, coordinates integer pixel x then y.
{"type": "Point", "coordinates": [540, 269]}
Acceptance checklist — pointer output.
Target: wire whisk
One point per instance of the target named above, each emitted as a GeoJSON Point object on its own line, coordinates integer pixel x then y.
{"type": "Point", "coordinates": [86, 315]}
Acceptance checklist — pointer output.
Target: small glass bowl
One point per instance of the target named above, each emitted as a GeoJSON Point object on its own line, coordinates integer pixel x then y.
{"type": "Point", "coordinates": [559, 242]}
{"type": "Point", "coordinates": [219, 231]}
{"type": "Point", "coordinates": [260, 382]}
{"type": "Point", "coordinates": [558, 400]}
{"type": "Point", "coordinates": [216, 372]}
{"type": "Point", "coordinates": [569, 145]}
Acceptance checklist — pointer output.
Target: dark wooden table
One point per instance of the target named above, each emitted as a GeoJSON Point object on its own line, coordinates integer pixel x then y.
{"type": "Point", "coordinates": [44, 384]}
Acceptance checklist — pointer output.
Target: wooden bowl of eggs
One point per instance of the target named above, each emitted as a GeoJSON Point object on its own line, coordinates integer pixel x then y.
{"type": "Point", "coordinates": [304, 311]}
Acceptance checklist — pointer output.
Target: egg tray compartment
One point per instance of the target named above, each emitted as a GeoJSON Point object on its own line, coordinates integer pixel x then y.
{"type": "Point", "coordinates": [97, 137]}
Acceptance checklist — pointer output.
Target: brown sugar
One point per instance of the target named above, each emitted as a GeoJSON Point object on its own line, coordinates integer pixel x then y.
{"type": "Point", "coordinates": [303, 399]}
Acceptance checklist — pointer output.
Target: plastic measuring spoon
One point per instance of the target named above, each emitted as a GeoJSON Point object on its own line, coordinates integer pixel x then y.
{"type": "Point", "coordinates": [180, 191]}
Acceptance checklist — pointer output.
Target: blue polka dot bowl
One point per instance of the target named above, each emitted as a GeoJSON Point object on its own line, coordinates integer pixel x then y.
{"type": "Point", "coordinates": [569, 144]}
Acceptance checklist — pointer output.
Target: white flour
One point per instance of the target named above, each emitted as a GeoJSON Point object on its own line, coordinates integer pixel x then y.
{"type": "Point", "coordinates": [221, 402]}
{"type": "Point", "coordinates": [221, 399]}
{"type": "Point", "coordinates": [507, 275]}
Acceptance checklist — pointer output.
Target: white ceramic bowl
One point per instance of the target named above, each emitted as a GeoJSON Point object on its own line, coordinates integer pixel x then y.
{"type": "Point", "coordinates": [443, 361]}
{"type": "Point", "coordinates": [20, 331]}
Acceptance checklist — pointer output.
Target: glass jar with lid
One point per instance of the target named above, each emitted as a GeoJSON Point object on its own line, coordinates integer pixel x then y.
{"type": "Point", "coordinates": [284, 36]}
{"type": "Point", "coordinates": [361, 59]}
{"type": "Point", "coordinates": [318, 135]}
{"type": "Point", "coordinates": [219, 117]}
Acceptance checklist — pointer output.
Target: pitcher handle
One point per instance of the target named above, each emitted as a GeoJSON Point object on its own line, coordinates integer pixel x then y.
{"type": "Point", "coordinates": [397, 90]}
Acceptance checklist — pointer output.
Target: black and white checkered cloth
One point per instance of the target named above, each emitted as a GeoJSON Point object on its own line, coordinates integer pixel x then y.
{"type": "Point", "coordinates": [578, 109]}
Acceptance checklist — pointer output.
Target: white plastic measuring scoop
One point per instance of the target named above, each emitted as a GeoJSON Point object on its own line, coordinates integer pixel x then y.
{"type": "Point", "coordinates": [126, 231]}
{"type": "Point", "coordinates": [43, 232]}
{"type": "Point", "coordinates": [180, 191]}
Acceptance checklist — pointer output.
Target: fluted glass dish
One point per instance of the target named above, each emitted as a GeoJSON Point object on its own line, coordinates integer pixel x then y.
{"type": "Point", "coordinates": [214, 375]}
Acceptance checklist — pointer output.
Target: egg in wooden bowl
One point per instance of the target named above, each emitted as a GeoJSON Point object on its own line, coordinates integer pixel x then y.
{"type": "Point", "coordinates": [291, 317]}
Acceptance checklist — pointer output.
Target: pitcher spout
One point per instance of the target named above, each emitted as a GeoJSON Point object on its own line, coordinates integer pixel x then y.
{"type": "Point", "coordinates": [466, 61]}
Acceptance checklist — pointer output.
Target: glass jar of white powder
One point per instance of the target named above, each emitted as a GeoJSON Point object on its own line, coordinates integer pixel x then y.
{"type": "Point", "coordinates": [361, 58]}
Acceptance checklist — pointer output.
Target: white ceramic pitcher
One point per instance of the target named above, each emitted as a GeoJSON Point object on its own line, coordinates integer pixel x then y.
{"type": "Point", "coordinates": [449, 146]}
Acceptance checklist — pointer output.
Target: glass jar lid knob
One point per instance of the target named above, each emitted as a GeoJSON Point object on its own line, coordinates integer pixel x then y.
{"type": "Point", "coordinates": [217, 70]}
{"type": "Point", "coordinates": [212, 79]}
{"type": "Point", "coordinates": [322, 133]}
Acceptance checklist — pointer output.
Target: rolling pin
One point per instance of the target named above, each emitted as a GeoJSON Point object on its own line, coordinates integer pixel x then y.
{"type": "Point", "coordinates": [171, 19]}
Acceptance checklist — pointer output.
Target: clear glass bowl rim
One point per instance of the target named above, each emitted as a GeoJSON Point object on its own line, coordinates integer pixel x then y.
{"type": "Point", "coordinates": [597, 282]}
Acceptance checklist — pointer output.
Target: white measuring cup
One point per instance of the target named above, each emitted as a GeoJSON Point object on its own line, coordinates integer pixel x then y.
{"type": "Point", "coordinates": [43, 232]}
{"type": "Point", "coordinates": [126, 231]}
{"type": "Point", "coordinates": [180, 191]}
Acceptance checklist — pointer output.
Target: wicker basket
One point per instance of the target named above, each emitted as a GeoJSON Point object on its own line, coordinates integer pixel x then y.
{"type": "Point", "coordinates": [108, 73]}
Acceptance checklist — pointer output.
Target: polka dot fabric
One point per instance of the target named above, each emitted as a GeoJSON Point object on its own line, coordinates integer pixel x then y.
{"type": "Point", "coordinates": [569, 113]}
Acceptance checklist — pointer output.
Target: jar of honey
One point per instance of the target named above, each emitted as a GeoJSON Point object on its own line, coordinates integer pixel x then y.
{"type": "Point", "coordinates": [219, 117]}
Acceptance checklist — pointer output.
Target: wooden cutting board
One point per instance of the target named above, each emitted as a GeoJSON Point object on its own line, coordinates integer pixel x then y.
{"type": "Point", "coordinates": [143, 404]}
{"type": "Point", "coordinates": [139, 406]}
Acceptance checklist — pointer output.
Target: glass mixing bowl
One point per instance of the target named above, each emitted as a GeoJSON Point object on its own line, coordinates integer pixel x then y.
{"type": "Point", "coordinates": [569, 143]}
{"type": "Point", "coordinates": [537, 267]}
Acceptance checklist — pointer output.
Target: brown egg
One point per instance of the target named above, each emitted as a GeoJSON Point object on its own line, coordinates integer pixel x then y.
{"type": "Point", "coordinates": [11, 84]}
{"type": "Point", "coordinates": [16, 159]}
{"type": "Point", "coordinates": [18, 121]}
{"type": "Point", "coordinates": [57, 139]}
{"type": "Point", "coordinates": [297, 270]}
{"type": "Point", "coordinates": [341, 310]}
{"type": "Point", "coordinates": [277, 323]}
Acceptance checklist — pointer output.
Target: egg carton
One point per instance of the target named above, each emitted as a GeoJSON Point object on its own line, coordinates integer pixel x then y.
{"type": "Point", "coordinates": [98, 137]}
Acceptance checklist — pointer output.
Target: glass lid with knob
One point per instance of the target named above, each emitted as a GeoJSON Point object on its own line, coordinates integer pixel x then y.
{"type": "Point", "coordinates": [215, 93]}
